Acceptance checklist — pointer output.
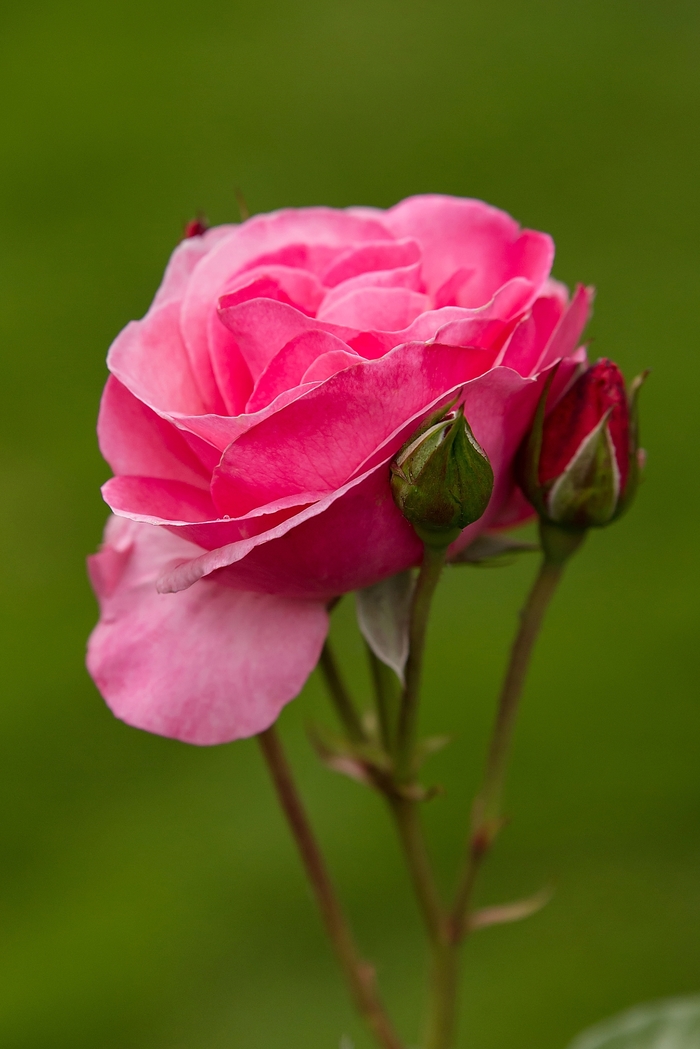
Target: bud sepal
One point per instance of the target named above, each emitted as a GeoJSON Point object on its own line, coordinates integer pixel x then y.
{"type": "Point", "coordinates": [580, 466]}
{"type": "Point", "coordinates": [442, 479]}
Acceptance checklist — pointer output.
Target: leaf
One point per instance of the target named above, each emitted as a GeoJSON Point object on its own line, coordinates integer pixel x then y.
{"type": "Point", "coordinates": [510, 912]}
{"type": "Point", "coordinates": [670, 1024]}
{"type": "Point", "coordinates": [491, 548]}
{"type": "Point", "coordinates": [383, 614]}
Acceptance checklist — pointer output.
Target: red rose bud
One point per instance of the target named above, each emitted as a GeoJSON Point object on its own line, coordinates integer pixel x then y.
{"type": "Point", "coordinates": [580, 465]}
{"type": "Point", "coordinates": [442, 479]}
{"type": "Point", "coordinates": [195, 228]}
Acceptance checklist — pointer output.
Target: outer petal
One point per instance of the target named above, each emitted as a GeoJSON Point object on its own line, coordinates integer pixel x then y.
{"type": "Point", "coordinates": [150, 359]}
{"type": "Point", "coordinates": [134, 440]}
{"type": "Point", "coordinates": [205, 666]}
{"type": "Point", "coordinates": [183, 261]}
{"type": "Point", "coordinates": [470, 235]}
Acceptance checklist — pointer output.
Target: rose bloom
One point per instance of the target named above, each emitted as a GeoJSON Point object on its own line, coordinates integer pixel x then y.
{"type": "Point", "coordinates": [250, 419]}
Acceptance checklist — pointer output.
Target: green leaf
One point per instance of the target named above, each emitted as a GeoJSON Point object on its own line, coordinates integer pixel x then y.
{"type": "Point", "coordinates": [383, 615]}
{"type": "Point", "coordinates": [670, 1024]}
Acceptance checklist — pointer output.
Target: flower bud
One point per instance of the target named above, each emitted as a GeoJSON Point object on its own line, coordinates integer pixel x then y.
{"type": "Point", "coordinates": [195, 227]}
{"type": "Point", "coordinates": [579, 466]}
{"type": "Point", "coordinates": [442, 479]}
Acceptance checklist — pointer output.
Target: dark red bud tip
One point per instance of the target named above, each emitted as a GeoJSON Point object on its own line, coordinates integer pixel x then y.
{"type": "Point", "coordinates": [599, 390]}
{"type": "Point", "coordinates": [195, 228]}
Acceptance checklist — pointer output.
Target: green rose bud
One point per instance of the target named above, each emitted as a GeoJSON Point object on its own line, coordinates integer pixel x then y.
{"type": "Point", "coordinates": [442, 479]}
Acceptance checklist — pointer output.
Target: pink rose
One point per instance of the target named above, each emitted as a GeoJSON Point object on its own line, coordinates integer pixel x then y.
{"type": "Point", "coordinates": [251, 417]}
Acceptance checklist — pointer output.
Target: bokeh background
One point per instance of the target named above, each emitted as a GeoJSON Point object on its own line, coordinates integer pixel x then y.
{"type": "Point", "coordinates": [149, 895]}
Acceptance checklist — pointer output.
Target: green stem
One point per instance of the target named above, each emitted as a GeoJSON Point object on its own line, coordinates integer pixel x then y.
{"type": "Point", "coordinates": [443, 952]}
{"type": "Point", "coordinates": [341, 697]}
{"type": "Point", "coordinates": [358, 973]}
{"type": "Point", "coordinates": [433, 560]}
{"type": "Point", "coordinates": [486, 814]}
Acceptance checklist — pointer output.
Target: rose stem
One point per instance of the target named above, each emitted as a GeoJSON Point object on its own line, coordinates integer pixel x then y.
{"type": "Point", "coordinates": [358, 973]}
{"type": "Point", "coordinates": [443, 978]}
{"type": "Point", "coordinates": [486, 814]}
{"type": "Point", "coordinates": [340, 695]}
{"type": "Point", "coordinates": [428, 577]}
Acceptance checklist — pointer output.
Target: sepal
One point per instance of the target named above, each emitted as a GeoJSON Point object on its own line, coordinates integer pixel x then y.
{"type": "Point", "coordinates": [442, 479]}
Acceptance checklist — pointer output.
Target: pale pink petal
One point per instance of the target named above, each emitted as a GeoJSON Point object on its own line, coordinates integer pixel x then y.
{"type": "Point", "coordinates": [468, 234]}
{"type": "Point", "coordinates": [149, 358]}
{"type": "Point", "coordinates": [382, 309]}
{"type": "Point", "coordinates": [206, 666]}
{"type": "Point", "coordinates": [135, 440]}
{"type": "Point", "coordinates": [327, 434]}
{"type": "Point", "coordinates": [369, 258]}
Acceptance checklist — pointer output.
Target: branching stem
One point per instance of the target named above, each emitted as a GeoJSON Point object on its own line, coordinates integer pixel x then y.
{"type": "Point", "coordinates": [358, 973]}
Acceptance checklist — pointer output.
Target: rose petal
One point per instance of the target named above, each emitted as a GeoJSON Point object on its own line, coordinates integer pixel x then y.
{"type": "Point", "coordinates": [183, 261]}
{"type": "Point", "coordinates": [328, 433]}
{"type": "Point", "coordinates": [525, 346]}
{"type": "Point", "coordinates": [455, 234]}
{"type": "Point", "coordinates": [150, 359]}
{"type": "Point", "coordinates": [369, 258]}
{"type": "Point", "coordinates": [135, 440]}
{"type": "Point", "coordinates": [284, 283]}
{"type": "Point", "coordinates": [382, 309]}
{"type": "Point", "coordinates": [261, 327]}
{"type": "Point", "coordinates": [262, 237]}
{"type": "Point", "coordinates": [206, 666]}
{"type": "Point", "coordinates": [289, 365]}
{"type": "Point", "coordinates": [489, 400]}
{"type": "Point", "coordinates": [570, 328]}
{"type": "Point", "coordinates": [156, 500]}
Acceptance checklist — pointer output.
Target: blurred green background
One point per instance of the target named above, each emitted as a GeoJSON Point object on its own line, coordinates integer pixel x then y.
{"type": "Point", "coordinates": [149, 895]}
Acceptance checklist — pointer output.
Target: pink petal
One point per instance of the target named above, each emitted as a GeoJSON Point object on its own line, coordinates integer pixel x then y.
{"type": "Point", "coordinates": [402, 277]}
{"type": "Point", "coordinates": [294, 286]}
{"type": "Point", "coordinates": [382, 309]}
{"type": "Point", "coordinates": [524, 348]}
{"type": "Point", "coordinates": [183, 261]}
{"type": "Point", "coordinates": [261, 327]}
{"type": "Point", "coordinates": [287, 237]}
{"type": "Point", "coordinates": [149, 358]}
{"type": "Point", "coordinates": [134, 440]}
{"type": "Point", "coordinates": [327, 434]}
{"type": "Point", "coordinates": [205, 666]}
{"type": "Point", "coordinates": [328, 364]}
{"type": "Point", "coordinates": [369, 258]}
{"type": "Point", "coordinates": [570, 328]}
{"type": "Point", "coordinates": [499, 404]}
{"type": "Point", "coordinates": [288, 367]}
{"type": "Point", "coordinates": [156, 500]}
{"type": "Point", "coordinates": [468, 234]}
